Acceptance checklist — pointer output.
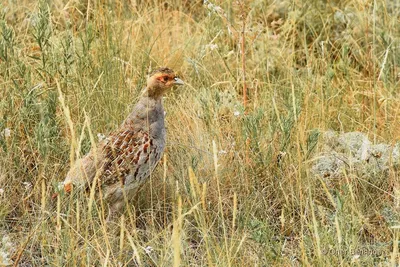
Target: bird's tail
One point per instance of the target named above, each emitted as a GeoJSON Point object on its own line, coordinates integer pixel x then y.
{"type": "Point", "coordinates": [65, 187]}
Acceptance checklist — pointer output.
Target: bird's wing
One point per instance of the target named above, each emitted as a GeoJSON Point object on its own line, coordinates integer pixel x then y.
{"type": "Point", "coordinates": [115, 158]}
{"type": "Point", "coordinates": [121, 152]}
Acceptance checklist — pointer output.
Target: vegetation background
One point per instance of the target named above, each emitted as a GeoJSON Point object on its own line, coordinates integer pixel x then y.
{"type": "Point", "coordinates": [263, 79]}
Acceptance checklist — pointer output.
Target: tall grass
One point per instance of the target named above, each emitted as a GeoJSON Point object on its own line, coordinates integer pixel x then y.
{"type": "Point", "coordinates": [234, 187]}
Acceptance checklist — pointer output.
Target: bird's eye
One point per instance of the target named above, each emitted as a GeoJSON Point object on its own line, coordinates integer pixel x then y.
{"type": "Point", "coordinates": [165, 79]}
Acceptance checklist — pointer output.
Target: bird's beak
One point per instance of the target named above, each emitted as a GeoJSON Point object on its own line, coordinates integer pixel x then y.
{"type": "Point", "coordinates": [178, 81]}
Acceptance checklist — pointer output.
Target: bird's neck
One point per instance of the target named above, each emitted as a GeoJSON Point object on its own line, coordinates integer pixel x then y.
{"type": "Point", "coordinates": [148, 110]}
{"type": "Point", "coordinates": [153, 91]}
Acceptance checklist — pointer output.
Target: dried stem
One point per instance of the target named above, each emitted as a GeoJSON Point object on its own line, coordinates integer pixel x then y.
{"type": "Point", "coordinates": [243, 47]}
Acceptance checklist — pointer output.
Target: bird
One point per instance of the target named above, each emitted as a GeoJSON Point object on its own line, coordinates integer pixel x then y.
{"type": "Point", "coordinates": [124, 160]}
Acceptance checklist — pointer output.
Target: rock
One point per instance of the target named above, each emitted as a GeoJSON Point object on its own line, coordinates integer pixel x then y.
{"type": "Point", "coordinates": [353, 151]}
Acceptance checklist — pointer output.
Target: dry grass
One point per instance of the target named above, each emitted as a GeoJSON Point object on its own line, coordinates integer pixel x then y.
{"type": "Point", "coordinates": [220, 197]}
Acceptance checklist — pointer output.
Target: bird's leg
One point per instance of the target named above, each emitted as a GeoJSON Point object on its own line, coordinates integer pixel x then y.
{"type": "Point", "coordinates": [114, 210]}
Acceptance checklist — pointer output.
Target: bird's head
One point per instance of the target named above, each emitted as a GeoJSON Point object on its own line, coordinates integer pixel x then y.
{"type": "Point", "coordinates": [160, 80]}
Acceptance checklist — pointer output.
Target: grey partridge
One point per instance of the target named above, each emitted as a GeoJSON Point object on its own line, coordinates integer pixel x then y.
{"type": "Point", "coordinates": [124, 159]}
